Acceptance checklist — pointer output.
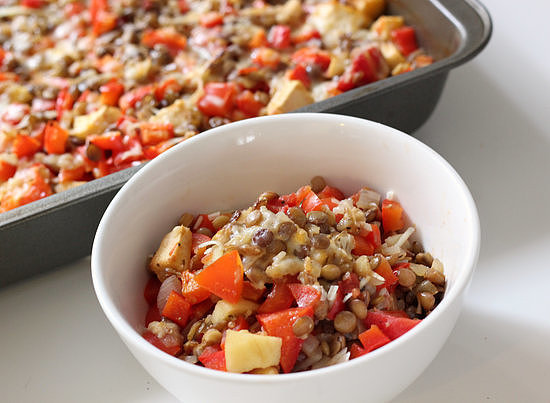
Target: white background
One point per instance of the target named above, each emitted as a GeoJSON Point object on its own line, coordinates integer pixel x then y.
{"type": "Point", "coordinates": [493, 125]}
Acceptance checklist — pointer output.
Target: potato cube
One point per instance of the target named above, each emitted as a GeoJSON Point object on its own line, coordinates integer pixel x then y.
{"type": "Point", "coordinates": [224, 311]}
{"type": "Point", "coordinates": [392, 55]}
{"type": "Point", "coordinates": [95, 122]}
{"type": "Point", "coordinates": [245, 351]}
{"type": "Point", "coordinates": [290, 96]}
{"type": "Point", "coordinates": [385, 24]}
{"type": "Point", "coordinates": [173, 254]}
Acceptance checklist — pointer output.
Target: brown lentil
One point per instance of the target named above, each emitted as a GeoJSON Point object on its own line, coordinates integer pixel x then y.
{"type": "Point", "coordinates": [325, 348]}
{"type": "Point", "coordinates": [303, 326]}
{"type": "Point", "coordinates": [359, 308]}
{"type": "Point", "coordinates": [317, 183]}
{"type": "Point", "coordinates": [424, 258]}
{"type": "Point", "coordinates": [427, 286]}
{"type": "Point", "coordinates": [285, 230]}
{"type": "Point", "coordinates": [297, 215]}
{"type": "Point", "coordinates": [317, 217]}
{"type": "Point", "coordinates": [250, 250]}
{"type": "Point", "coordinates": [407, 278]}
{"type": "Point", "coordinates": [262, 237]}
{"type": "Point", "coordinates": [330, 272]}
{"type": "Point", "coordinates": [337, 344]}
{"type": "Point", "coordinates": [345, 322]}
{"type": "Point", "coordinates": [321, 310]}
{"type": "Point", "coordinates": [205, 231]}
{"type": "Point", "coordinates": [301, 251]}
{"type": "Point", "coordinates": [427, 300]}
{"type": "Point", "coordinates": [435, 276]}
{"type": "Point", "coordinates": [275, 247]}
{"type": "Point", "coordinates": [320, 241]}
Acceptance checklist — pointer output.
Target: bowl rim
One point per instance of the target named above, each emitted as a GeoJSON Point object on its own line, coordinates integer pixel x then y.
{"type": "Point", "coordinates": [131, 335]}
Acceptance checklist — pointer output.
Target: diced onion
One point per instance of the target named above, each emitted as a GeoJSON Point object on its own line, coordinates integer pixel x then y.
{"type": "Point", "coordinates": [172, 283]}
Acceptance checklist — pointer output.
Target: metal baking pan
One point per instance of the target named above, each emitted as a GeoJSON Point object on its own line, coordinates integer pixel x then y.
{"type": "Point", "coordinates": [58, 229]}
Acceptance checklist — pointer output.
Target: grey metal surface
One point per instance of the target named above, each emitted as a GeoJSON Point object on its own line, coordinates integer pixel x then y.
{"type": "Point", "coordinates": [58, 229]}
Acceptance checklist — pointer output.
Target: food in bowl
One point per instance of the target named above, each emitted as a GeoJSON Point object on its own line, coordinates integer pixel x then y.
{"type": "Point", "coordinates": [294, 282]}
{"type": "Point", "coordinates": [91, 88]}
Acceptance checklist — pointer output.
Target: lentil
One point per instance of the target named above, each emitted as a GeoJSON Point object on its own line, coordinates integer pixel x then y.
{"type": "Point", "coordinates": [359, 308]}
{"type": "Point", "coordinates": [317, 183]}
{"type": "Point", "coordinates": [345, 322]}
{"type": "Point", "coordinates": [303, 326]}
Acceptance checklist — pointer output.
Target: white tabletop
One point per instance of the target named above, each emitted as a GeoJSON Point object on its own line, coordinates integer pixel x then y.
{"type": "Point", "coordinates": [493, 126]}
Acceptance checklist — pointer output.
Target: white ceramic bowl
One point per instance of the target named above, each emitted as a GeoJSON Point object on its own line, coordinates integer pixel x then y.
{"type": "Point", "coordinates": [228, 167]}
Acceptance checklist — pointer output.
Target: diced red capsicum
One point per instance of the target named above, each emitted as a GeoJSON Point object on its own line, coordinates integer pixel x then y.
{"type": "Point", "coordinates": [172, 349]}
{"type": "Point", "coordinates": [300, 73]}
{"type": "Point", "coordinates": [366, 67]}
{"type": "Point", "coordinates": [405, 39]}
{"type": "Point", "coordinates": [55, 138]}
{"type": "Point", "coordinates": [309, 56]}
{"type": "Point", "coordinates": [224, 277]}
{"type": "Point", "coordinates": [392, 216]}
{"type": "Point", "coordinates": [25, 146]}
{"type": "Point", "coordinates": [111, 140]}
{"type": "Point", "coordinates": [280, 298]}
{"type": "Point", "coordinates": [177, 309]}
{"type": "Point", "coordinates": [213, 358]}
{"type": "Point", "coordinates": [279, 324]}
{"type": "Point", "coordinates": [154, 133]}
{"type": "Point", "coordinates": [218, 99]}
{"type": "Point", "coordinates": [248, 104]}
{"type": "Point", "coordinates": [211, 19]}
{"type": "Point", "coordinates": [279, 36]}
{"type": "Point", "coordinates": [329, 191]}
{"type": "Point", "coordinates": [305, 295]}
{"type": "Point", "coordinates": [373, 338]}
{"type": "Point", "coordinates": [391, 325]}
{"type": "Point", "coordinates": [191, 290]}
{"type": "Point", "coordinates": [384, 269]}
{"type": "Point", "coordinates": [7, 170]}
{"type": "Point", "coordinates": [32, 3]}
{"type": "Point", "coordinates": [168, 37]}
{"type": "Point", "coordinates": [111, 92]}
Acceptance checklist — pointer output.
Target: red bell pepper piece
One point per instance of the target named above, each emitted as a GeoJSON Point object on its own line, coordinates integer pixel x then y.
{"type": "Point", "coordinates": [247, 103]}
{"type": "Point", "coordinates": [373, 338]}
{"type": "Point", "coordinates": [391, 325]}
{"type": "Point", "coordinates": [279, 324]}
{"type": "Point", "coordinates": [35, 187]}
{"type": "Point", "coordinates": [392, 216]}
{"type": "Point", "coordinates": [305, 36]}
{"type": "Point", "coordinates": [405, 39]}
{"type": "Point", "coordinates": [202, 221]}
{"type": "Point", "coordinates": [305, 295]}
{"type": "Point", "coordinates": [266, 57]}
{"type": "Point", "coordinates": [170, 85]}
{"type": "Point", "coordinates": [329, 191]}
{"type": "Point", "coordinates": [198, 239]}
{"type": "Point", "coordinates": [111, 92]}
{"type": "Point", "coordinates": [337, 306]}
{"type": "Point", "coordinates": [240, 323]}
{"type": "Point", "coordinates": [366, 67]}
{"type": "Point", "coordinates": [362, 246]}
{"type": "Point", "coordinates": [129, 99]}
{"type": "Point", "coordinates": [259, 39]}
{"type": "Point", "coordinates": [211, 19]}
{"type": "Point", "coordinates": [152, 315]}
{"type": "Point", "coordinates": [162, 344]}
{"type": "Point", "coordinates": [103, 21]}
{"type": "Point", "coordinates": [177, 309]}
{"type": "Point", "coordinates": [224, 277]}
{"type": "Point", "coordinates": [55, 138]}
{"type": "Point", "coordinates": [311, 202]}
{"type": "Point", "coordinates": [191, 290]}
{"type": "Point", "coordinates": [300, 73]}
{"type": "Point", "coordinates": [25, 146]}
{"type": "Point", "coordinates": [32, 3]}
{"type": "Point", "coordinates": [356, 351]}
{"type": "Point", "coordinates": [7, 170]}
{"type": "Point", "coordinates": [251, 292]}
{"type": "Point", "coordinates": [73, 8]}
{"type": "Point", "coordinates": [64, 102]}
{"type": "Point", "coordinates": [151, 290]}
{"type": "Point", "coordinates": [280, 298]}
{"type": "Point", "coordinates": [385, 270]}
{"type": "Point", "coordinates": [42, 105]}
{"type": "Point", "coordinates": [168, 37]}
{"type": "Point", "coordinates": [279, 36]}
{"type": "Point", "coordinates": [213, 358]}
{"type": "Point", "coordinates": [309, 56]}
{"type": "Point", "coordinates": [349, 282]}
{"type": "Point", "coordinates": [154, 133]}
{"type": "Point", "coordinates": [183, 6]}
{"type": "Point", "coordinates": [108, 141]}
{"type": "Point", "coordinates": [218, 99]}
